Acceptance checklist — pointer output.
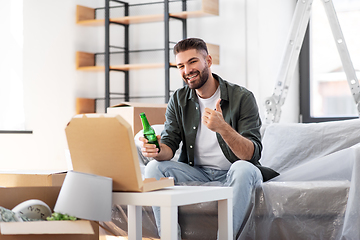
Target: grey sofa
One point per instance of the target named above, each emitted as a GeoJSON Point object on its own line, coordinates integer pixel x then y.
{"type": "Point", "coordinates": [316, 195]}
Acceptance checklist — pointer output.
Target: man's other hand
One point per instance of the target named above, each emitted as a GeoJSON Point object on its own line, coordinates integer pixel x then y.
{"type": "Point", "coordinates": [213, 119]}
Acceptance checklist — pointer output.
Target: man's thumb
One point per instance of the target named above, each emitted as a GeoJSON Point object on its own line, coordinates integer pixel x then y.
{"type": "Point", "coordinates": [218, 108]}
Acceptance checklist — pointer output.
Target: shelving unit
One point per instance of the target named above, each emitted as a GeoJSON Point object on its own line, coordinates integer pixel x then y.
{"type": "Point", "coordinates": [86, 16]}
{"type": "Point", "coordinates": [85, 61]}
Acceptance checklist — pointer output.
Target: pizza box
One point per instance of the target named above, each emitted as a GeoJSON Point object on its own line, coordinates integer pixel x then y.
{"type": "Point", "coordinates": [103, 144]}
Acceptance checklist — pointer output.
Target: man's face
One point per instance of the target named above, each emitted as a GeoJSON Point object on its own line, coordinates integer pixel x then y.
{"type": "Point", "coordinates": [193, 67]}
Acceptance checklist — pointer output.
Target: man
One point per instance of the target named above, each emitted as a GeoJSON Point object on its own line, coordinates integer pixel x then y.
{"type": "Point", "coordinates": [218, 124]}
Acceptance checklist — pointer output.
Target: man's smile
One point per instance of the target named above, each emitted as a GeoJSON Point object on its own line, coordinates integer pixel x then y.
{"type": "Point", "coordinates": [190, 77]}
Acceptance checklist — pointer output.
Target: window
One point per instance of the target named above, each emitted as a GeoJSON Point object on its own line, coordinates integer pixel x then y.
{"type": "Point", "coordinates": [324, 90]}
{"type": "Point", "coordinates": [11, 62]}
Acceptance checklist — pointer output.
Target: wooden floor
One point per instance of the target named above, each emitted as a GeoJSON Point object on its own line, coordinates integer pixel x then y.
{"type": "Point", "coordinates": [103, 236]}
{"type": "Point", "coordinates": [126, 238]}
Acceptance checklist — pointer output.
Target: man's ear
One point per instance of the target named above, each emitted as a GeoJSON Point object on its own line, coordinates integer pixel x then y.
{"type": "Point", "coordinates": [209, 60]}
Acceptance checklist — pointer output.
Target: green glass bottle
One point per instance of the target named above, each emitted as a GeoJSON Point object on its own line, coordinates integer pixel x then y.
{"type": "Point", "coordinates": [149, 132]}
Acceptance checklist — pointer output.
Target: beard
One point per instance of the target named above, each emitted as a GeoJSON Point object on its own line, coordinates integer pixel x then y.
{"type": "Point", "coordinates": [203, 76]}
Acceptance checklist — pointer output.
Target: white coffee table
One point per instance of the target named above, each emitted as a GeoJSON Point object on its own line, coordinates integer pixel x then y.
{"type": "Point", "coordinates": [169, 199]}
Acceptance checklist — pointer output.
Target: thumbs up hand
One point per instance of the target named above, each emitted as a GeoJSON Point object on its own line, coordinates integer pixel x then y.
{"type": "Point", "coordinates": [213, 119]}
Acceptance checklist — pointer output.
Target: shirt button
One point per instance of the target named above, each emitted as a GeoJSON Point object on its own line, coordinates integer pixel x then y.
{"type": "Point", "coordinates": [196, 108]}
{"type": "Point", "coordinates": [190, 162]}
{"type": "Point", "coordinates": [190, 146]}
{"type": "Point", "coordinates": [194, 127]}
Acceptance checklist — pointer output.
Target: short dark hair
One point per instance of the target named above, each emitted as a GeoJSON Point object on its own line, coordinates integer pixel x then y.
{"type": "Point", "coordinates": [190, 43]}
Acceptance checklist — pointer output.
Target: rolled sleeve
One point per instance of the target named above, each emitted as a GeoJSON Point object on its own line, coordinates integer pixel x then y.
{"type": "Point", "coordinates": [171, 135]}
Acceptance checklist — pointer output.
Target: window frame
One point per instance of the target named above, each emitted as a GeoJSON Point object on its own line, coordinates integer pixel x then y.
{"type": "Point", "coordinates": [304, 82]}
{"type": "Point", "coordinates": [11, 8]}
{"type": "Point", "coordinates": [16, 131]}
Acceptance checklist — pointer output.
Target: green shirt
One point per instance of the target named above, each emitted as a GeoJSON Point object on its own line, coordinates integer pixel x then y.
{"type": "Point", "coordinates": [239, 109]}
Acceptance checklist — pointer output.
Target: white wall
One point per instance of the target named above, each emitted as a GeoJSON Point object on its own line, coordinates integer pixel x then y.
{"type": "Point", "coordinates": [251, 34]}
{"type": "Point", "coordinates": [50, 85]}
{"type": "Point", "coordinates": [268, 25]}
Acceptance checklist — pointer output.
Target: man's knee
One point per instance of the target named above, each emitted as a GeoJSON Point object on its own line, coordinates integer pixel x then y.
{"type": "Point", "coordinates": [152, 169]}
{"type": "Point", "coordinates": [158, 169]}
{"type": "Point", "coordinates": [244, 170]}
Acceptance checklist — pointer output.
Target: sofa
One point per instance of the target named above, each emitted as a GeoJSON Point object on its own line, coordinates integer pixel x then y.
{"type": "Point", "coordinates": [316, 196]}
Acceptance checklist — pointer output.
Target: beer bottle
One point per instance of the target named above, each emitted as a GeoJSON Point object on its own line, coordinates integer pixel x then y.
{"type": "Point", "coordinates": [149, 132]}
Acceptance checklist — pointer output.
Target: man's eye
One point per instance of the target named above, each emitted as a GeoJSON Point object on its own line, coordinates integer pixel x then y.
{"type": "Point", "coordinates": [180, 67]}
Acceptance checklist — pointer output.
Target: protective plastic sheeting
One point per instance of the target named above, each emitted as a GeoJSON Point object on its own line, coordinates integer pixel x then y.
{"type": "Point", "coordinates": [316, 196]}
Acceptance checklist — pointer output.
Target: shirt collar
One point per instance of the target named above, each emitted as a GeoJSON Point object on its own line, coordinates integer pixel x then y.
{"type": "Point", "coordinates": [223, 89]}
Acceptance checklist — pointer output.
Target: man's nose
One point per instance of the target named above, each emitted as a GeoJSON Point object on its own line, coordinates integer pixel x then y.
{"type": "Point", "coordinates": [187, 69]}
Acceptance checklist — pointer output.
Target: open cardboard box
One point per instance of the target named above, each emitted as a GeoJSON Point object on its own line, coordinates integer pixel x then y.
{"type": "Point", "coordinates": [31, 179]}
{"type": "Point", "coordinates": [130, 111]}
{"type": "Point", "coordinates": [41, 230]}
{"type": "Point", "coordinates": [103, 144]}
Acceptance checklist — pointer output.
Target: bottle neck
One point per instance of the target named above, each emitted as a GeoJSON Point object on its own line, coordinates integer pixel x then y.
{"type": "Point", "coordinates": [145, 122]}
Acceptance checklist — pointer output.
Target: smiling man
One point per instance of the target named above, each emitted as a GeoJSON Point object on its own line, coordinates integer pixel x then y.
{"type": "Point", "coordinates": [188, 63]}
{"type": "Point", "coordinates": [219, 126]}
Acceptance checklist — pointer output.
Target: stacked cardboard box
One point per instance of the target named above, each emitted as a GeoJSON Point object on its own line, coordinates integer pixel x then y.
{"type": "Point", "coordinates": [17, 188]}
{"type": "Point", "coordinates": [130, 111]}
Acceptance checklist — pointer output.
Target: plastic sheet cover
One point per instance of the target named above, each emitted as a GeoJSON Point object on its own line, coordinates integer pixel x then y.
{"type": "Point", "coordinates": [317, 193]}
{"type": "Point", "coordinates": [316, 196]}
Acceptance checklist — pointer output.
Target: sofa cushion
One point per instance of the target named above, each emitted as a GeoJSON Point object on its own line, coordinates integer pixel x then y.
{"type": "Point", "coordinates": [286, 145]}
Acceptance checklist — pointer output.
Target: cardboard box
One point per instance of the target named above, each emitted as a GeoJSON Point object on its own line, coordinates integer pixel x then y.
{"type": "Point", "coordinates": [69, 230]}
{"type": "Point", "coordinates": [104, 145]}
{"type": "Point", "coordinates": [31, 179]}
{"type": "Point", "coordinates": [130, 111]}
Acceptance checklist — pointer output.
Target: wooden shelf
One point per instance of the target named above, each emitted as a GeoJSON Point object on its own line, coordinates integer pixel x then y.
{"type": "Point", "coordinates": [86, 61]}
{"type": "Point", "coordinates": [123, 67]}
{"type": "Point", "coordinates": [86, 16]}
